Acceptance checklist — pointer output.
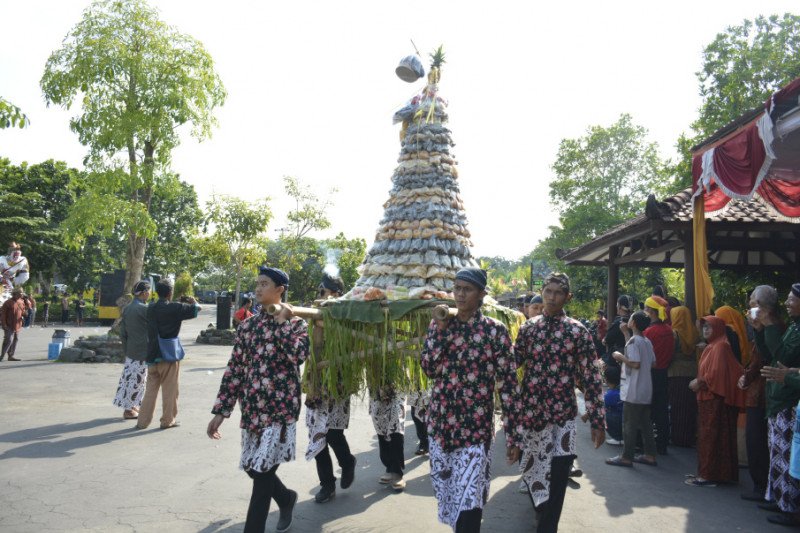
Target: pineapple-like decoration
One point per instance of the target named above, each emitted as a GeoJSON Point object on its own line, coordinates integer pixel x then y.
{"type": "Point", "coordinates": [437, 60]}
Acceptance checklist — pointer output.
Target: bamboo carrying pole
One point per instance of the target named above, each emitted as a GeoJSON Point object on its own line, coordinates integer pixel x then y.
{"type": "Point", "coordinates": [303, 312]}
{"type": "Point", "coordinates": [443, 312]}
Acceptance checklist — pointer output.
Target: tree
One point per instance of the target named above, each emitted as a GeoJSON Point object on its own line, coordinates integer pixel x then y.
{"type": "Point", "coordinates": [742, 67]}
{"type": "Point", "coordinates": [309, 213]}
{"type": "Point", "coordinates": [602, 179]}
{"type": "Point", "coordinates": [138, 80]}
{"type": "Point", "coordinates": [183, 285]}
{"type": "Point", "coordinates": [176, 247]}
{"type": "Point", "coordinates": [239, 231]}
{"type": "Point", "coordinates": [11, 115]}
{"type": "Point", "coordinates": [349, 253]}
{"type": "Point", "coordinates": [302, 258]}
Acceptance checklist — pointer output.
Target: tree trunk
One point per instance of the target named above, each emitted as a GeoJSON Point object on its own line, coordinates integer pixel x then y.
{"type": "Point", "coordinates": [134, 259]}
{"type": "Point", "coordinates": [137, 244]}
{"type": "Point", "coordinates": [239, 267]}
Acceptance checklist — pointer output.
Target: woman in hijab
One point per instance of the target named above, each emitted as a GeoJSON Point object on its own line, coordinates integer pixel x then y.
{"type": "Point", "coordinates": [682, 401]}
{"type": "Point", "coordinates": [718, 404]}
{"type": "Point", "coordinates": [735, 325]}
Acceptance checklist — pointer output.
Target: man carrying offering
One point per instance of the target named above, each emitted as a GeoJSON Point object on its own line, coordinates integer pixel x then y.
{"type": "Point", "coordinates": [558, 355]}
{"type": "Point", "coordinates": [464, 357]}
{"type": "Point", "coordinates": [263, 375]}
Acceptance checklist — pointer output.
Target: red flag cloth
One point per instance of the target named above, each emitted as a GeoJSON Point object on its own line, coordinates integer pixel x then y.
{"type": "Point", "coordinates": [783, 195]}
{"type": "Point", "coordinates": [715, 199]}
{"type": "Point", "coordinates": [738, 161]}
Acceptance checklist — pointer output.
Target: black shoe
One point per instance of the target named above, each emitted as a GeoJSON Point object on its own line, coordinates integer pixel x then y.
{"type": "Point", "coordinates": [753, 497]}
{"type": "Point", "coordinates": [325, 494]}
{"type": "Point", "coordinates": [784, 520]}
{"type": "Point", "coordinates": [348, 474]}
{"type": "Point", "coordinates": [770, 506]}
{"type": "Point", "coordinates": [286, 514]}
{"type": "Point", "coordinates": [575, 472]}
{"type": "Point", "coordinates": [422, 449]}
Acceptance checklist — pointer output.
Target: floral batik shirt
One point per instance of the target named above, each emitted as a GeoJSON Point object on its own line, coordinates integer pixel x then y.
{"type": "Point", "coordinates": [263, 372]}
{"type": "Point", "coordinates": [463, 362]}
{"type": "Point", "coordinates": [558, 355]}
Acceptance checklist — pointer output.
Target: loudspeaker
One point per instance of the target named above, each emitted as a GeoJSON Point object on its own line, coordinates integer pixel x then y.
{"type": "Point", "coordinates": [224, 312]}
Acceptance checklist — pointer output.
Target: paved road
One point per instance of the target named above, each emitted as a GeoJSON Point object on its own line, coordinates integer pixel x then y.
{"type": "Point", "coordinates": [68, 462]}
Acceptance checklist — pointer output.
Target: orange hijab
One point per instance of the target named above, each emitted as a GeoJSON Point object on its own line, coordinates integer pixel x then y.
{"type": "Point", "coordinates": [683, 325]}
{"type": "Point", "coordinates": [719, 368]}
{"type": "Point", "coordinates": [735, 320]}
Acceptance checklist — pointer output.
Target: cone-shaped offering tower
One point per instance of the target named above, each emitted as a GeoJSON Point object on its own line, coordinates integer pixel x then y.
{"type": "Point", "coordinates": [422, 240]}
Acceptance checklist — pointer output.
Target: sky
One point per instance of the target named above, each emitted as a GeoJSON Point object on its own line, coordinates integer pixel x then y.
{"type": "Point", "coordinates": [312, 90]}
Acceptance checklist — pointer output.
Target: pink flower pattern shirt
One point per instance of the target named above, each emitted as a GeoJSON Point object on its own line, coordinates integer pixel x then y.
{"type": "Point", "coordinates": [464, 361]}
{"type": "Point", "coordinates": [263, 373]}
{"type": "Point", "coordinates": [558, 355]}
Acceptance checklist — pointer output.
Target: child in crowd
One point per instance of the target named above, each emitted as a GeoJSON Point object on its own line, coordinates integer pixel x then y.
{"type": "Point", "coordinates": [636, 390]}
{"type": "Point", "coordinates": [613, 406]}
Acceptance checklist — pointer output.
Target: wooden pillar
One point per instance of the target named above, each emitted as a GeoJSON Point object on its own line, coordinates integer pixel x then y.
{"type": "Point", "coordinates": [688, 271]}
{"type": "Point", "coordinates": [613, 283]}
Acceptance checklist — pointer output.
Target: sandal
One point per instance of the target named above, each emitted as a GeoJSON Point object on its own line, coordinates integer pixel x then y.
{"type": "Point", "coordinates": [697, 482]}
{"type": "Point", "coordinates": [641, 459]}
{"type": "Point", "coordinates": [618, 461]}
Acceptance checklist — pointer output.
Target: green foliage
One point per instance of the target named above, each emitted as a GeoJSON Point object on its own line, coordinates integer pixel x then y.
{"type": "Point", "coordinates": [604, 177]}
{"type": "Point", "coordinates": [138, 77]}
{"type": "Point", "coordinates": [744, 65]}
{"type": "Point", "coordinates": [183, 285]}
{"type": "Point", "coordinates": [138, 80]}
{"type": "Point", "coordinates": [104, 207]}
{"type": "Point", "coordinates": [303, 259]}
{"type": "Point", "coordinates": [733, 288]}
{"type": "Point", "coordinates": [309, 213]}
{"type": "Point", "coordinates": [36, 200]}
{"type": "Point", "coordinates": [349, 254]}
{"type": "Point", "coordinates": [437, 57]}
{"type": "Point", "coordinates": [741, 69]}
{"type": "Point", "coordinates": [11, 116]}
{"type": "Point", "coordinates": [176, 246]}
{"type": "Point", "coordinates": [239, 231]}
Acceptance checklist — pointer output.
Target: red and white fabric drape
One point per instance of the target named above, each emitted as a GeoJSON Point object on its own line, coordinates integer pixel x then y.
{"type": "Point", "coordinates": [744, 166]}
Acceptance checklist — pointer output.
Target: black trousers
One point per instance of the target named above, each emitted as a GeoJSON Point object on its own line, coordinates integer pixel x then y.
{"type": "Point", "coordinates": [336, 440]}
{"type": "Point", "coordinates": [756, 436]}
{"type": "Point", "coordinates": [391, 453]}
{"type": "Point", "coordinates": [469, 521]}
{"type": "Point", "coordinates": [549, 512]}
{"type": "Point", "coordinates": [64, 316]}
{"type": "Point", "coordinates": [266, 487]}
{"type": "Point", "coordinates": [660, 407]}
{"type": "Point", "coordinates": [421, 427]}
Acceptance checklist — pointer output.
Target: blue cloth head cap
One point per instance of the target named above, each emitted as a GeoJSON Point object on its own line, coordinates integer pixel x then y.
{"type": "Point", "coordinates": [476, 276]}
{"type": "Point", "coordinates": [558, 278]}
{"type": "Point", "coordinates": [277, 275]}
{"type": "Point", "coordinates": [796, 289]}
